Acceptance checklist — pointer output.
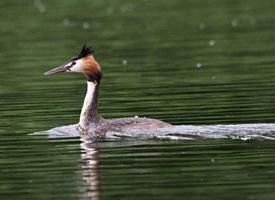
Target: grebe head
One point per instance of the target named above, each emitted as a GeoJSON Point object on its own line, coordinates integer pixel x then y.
{"type": "Point", "coordinates": [84, 63]}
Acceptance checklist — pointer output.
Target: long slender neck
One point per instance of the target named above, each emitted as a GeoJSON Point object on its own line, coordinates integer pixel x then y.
{"type": "Point", "coordinates": [89, 113]}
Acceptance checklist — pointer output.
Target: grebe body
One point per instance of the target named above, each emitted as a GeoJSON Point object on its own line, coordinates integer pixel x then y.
{"type": "Point", "coordinates": [91, 123]}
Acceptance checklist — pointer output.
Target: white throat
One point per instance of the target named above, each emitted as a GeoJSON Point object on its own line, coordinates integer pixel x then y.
{"type": "Point", "coordinates": [87, 105]}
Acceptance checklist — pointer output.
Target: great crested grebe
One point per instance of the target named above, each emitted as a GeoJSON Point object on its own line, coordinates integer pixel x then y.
{"type": "Point", "coordinates": [91, 123]}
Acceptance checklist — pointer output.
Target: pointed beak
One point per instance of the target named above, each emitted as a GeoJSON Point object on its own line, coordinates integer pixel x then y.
{"type": "Point", "coordinates": [59, 69]}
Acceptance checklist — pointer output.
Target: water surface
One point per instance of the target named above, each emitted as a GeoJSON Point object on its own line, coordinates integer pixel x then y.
{"type": "Point", "coordinates": [185, 62]}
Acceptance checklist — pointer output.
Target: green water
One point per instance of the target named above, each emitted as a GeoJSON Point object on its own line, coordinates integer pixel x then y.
{"type": "Point", "coordinates": [184, 62]}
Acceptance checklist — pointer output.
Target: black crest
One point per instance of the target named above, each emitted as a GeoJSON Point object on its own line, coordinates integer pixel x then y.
{"type": "Point", "coordinates": [84, 52]}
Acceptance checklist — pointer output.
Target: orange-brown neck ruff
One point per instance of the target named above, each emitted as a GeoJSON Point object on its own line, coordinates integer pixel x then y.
{"type": "Point", "coordinates": [92, 69]}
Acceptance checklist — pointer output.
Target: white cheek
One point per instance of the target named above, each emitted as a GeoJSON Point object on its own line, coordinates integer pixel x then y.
{"type": "Point", "coordinates": [77, 67]}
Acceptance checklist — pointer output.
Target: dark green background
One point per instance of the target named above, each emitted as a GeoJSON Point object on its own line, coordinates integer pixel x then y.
{"type": "Point", "coordinates": [150, 52]}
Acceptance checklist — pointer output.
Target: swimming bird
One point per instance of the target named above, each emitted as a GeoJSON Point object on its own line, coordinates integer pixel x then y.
{"type": "Point", "coordinates": [91, 123]}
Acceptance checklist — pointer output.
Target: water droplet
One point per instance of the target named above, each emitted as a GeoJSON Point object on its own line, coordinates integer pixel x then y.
{"type": "Point", "coordinates": [212, 42]}
{"type": "Point", "coordinates": [86, 25]}
{"type": "Point", "coordinates": [199, 65]}
{"type": "Point", "coordinates": [66, 22]}
{"type": "Point", "coordinates": [124, 62]}
{"type": "Point", "coordinates": [234, 22]}
{"type": "Point", "coordinates": [126, 8]}
{"type": "Point", "coordinates": [202, 26]}
{"type": "Point", "coordinates": [252, 22]}
{"type": "Point", "coordinates": [110, 10]}
{"type": "Point", "coordinates": [40, 6]}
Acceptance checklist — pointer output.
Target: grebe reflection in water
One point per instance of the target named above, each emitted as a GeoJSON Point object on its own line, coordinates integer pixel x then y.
{"type": "Point", "coordinates": [91, 123]}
